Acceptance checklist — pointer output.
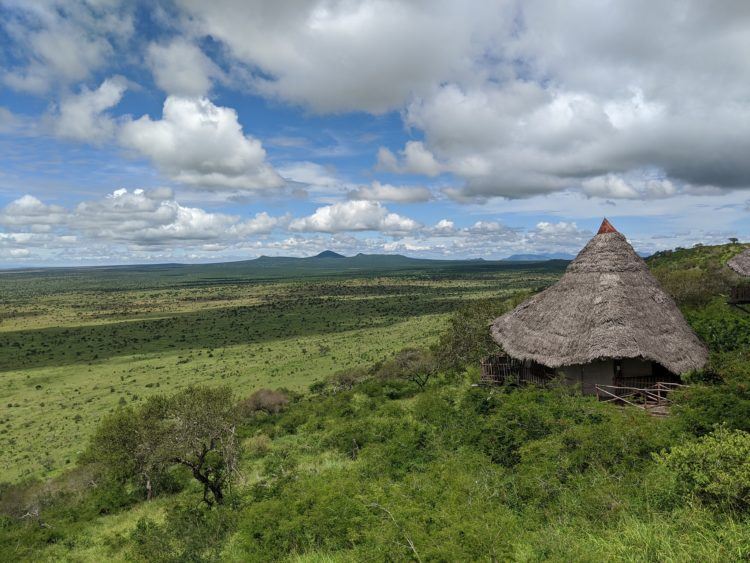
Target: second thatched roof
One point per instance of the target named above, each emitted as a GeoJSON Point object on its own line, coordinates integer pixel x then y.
{"type": "Point", "coordinates": [741, 263]}
{"type": "Point", "coordinates": [606, 305]}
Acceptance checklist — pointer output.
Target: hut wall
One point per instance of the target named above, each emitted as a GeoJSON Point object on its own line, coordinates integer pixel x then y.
{"type": "Point", "coordinates": [588, 375]}
{"type": "Point", "coordinates": [632, 372]}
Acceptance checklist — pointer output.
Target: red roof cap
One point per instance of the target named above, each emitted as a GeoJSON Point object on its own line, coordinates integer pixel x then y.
{"type": "Point", "coordinates": [606, 227]}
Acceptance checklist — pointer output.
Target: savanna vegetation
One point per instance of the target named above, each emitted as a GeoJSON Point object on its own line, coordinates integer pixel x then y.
{"type": "Point", "coordinates": [393, 455]}
{"type": "Point", "coordinates": [72, 348]}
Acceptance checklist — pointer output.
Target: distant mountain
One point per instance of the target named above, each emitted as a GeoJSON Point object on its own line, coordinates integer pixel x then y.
{"type": "Point", "coordinates": [327, 264]}
{"type": "Point", "coordinates": [539, 257]}
{"type": "Point", "coordinates": [329, 254]}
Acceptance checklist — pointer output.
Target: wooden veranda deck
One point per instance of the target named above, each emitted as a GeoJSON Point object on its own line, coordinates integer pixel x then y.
{"type": "Point", "coordinates": [655, 400]}
{"type": "Point", "coordinates": [740, 297]}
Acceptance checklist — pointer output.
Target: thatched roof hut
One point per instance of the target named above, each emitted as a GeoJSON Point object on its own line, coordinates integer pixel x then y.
{"type": "Point", "coordinates": [607, 306]}
{"type": "Point", "coordinates": [741, 263]}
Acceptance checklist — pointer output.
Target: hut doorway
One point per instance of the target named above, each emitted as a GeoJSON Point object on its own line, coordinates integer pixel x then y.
{"type": "Point", "coordinates": [635, 372]}
{"type": "Point", "coordinates": [596, 373]}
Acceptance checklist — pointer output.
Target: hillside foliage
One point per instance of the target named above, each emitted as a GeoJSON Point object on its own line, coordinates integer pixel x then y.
{"type": "Point", "coordinates": [403, 459]}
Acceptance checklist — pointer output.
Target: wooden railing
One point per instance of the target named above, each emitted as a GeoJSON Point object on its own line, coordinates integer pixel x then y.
{"type": "Point", "coordinates": [655, 398]}
{"type": "Point", "coordinates": [644, 381]}
{"type": "Point", "coordinates": [739, 295]}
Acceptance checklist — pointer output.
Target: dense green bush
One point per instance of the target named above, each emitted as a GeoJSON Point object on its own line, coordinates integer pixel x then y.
{"type": "Point", "coordinates": [309, 513]}
{"type": "Point", "coordinates": [699, 408]}
{"type": "Point", "coordinates": [722, 328]}
{"type": "Point", "coordinates": [714, 468]}
{"type": "Point", "coordinates": [732, 366]}
{"type": "Point", "coordinates": [410, 364]}
{"type": "Point", "coordinates": [189, 533]}
{"type": "Point", "coordinates": [467, 339]}
{"type": "Point", "coordinates": [695, 277]}
{"type": "Point", "coordinates": [695, 287]}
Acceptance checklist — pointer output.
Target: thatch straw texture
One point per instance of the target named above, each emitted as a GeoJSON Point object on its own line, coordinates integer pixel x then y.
{"type": "Point", "coordinates": [741, 263]}
{"type": "Point", "coordinates": [606, 305]}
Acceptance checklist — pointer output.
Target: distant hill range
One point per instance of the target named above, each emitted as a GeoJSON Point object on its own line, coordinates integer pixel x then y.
{"type": "Point", "coordinates": [324, 265]}
{"type": "Point", "coordinates": [330, 260]}
{"type": "Point", "coordinates": [329, 254]}
{"type": "Point", "coordinates": [539, 257]}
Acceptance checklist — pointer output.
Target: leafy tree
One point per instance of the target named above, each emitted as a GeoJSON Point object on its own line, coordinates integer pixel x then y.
{"type": "Point", "coordinates": [194, 428]}
{"type": "Point", "coordinates": [128, 443]}
{"type": "Point", "coordinates": [202, 437]}
{"type": "Point", "coordinates": [468, 339]}
{"type": "Point", "coordinates": [411, 364]}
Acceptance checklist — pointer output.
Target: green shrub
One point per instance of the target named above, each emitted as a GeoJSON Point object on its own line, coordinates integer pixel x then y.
{"type": "Point", "coordinates": [723, 329]}
{"type": "Point", "coordinates": [258, 445]}
{"type": "Point", "coordinates": [317, 512]}
{"type": "Point", "coordinates": [467, 339]}
{"type": "Point", "coordinates": [714, 468]}
{"type": "Point", "coordinates": [264, 400]}
{"type": "Point", "coordinates": [732, 366]}
{"type": "Point", "coordinates": [345, 380]}
{"type": "Point", "coordinates": [608, 449]}
{"type": "Point", "coordinates": [698, 409]}
{"type": "Point", "coordinates": [194, 428]}
{"type": "Point", "coordinates": [450, 510]}
{"type": "Point", "coordinates": [525, 415]}
{"type": "Point", "coordinates": [189, 533]}
{"type": "Point", "coordinates": [151, 543]}
{"type": "Point", "coordinates": [694, 287]}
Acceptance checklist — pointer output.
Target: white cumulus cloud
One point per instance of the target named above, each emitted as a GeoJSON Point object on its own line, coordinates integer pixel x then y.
{"type": "Point", "coordinates": [609, 186]}
{"type": "Point", "coordinates": [354, 216]}
{"type": "Point", "coordinates": [386, 192]}
{"type": "Point", "coordinates": [262, 223]}
{"type": "Point", "coordinates": [613, 186]}
{"type": "Point", "coordinates": [310, 174]}
{"type": "Point", "coordinates": [81, 117]}
{"type": "Point", "coordinates": [341, 56]}
{"type": "Point", "coordinates": [181, 68]}
{"type": "Point", "coordinates": [415, 159]}
{"type": "Point", "coordinates": [62, 42]}
{"type": "Point", "coordinates": [202, 145]}
{"type": "Point", "coordinates": [148, 218]}
{"type": "Point", "coordinates": [28, 211]}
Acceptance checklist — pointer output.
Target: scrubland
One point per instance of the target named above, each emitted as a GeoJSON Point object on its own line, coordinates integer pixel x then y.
{"type": "Point", "coordinates": [371, 443]}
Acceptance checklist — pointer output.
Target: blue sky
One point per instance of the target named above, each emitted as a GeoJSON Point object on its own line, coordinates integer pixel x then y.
{"type": "Point", "coordinates": [191, 131]}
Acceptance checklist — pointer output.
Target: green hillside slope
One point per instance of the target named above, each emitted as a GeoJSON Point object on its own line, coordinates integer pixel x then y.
{"type": "Point", "coordinates": [406, 460]}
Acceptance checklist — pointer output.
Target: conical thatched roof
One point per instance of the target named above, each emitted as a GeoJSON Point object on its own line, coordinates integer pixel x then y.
{"type": "Point", "coordinates": [741, 263]}
{"type": "Point", "coordinates": [606, 305]}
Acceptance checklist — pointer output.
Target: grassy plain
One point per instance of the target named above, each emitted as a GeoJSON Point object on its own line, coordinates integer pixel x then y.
{"type": "Point", "coordinates": [370, 465]}
{"type": "Point", "coordinates": [75, 344]}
